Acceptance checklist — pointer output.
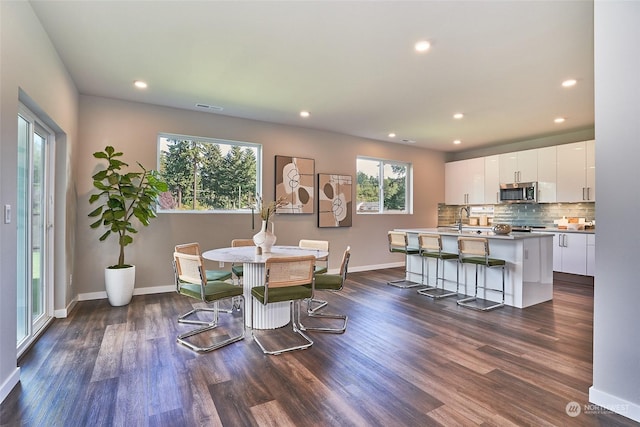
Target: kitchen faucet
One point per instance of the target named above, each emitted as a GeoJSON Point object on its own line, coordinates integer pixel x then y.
{"type": "Point", "coordinates": [466, 209]}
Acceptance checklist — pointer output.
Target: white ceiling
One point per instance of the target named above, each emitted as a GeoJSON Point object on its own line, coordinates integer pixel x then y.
{"type": "Point", "coordinates": [350, 63]}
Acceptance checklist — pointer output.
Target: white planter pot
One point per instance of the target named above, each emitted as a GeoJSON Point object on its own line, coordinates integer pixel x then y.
{"type": "Point", "coordinates": [119, 283]}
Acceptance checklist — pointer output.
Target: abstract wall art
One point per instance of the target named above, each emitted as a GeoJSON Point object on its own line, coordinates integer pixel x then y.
{"type": "Point", "coordinates": [294, 182]}
{"type": "Point", "coordinates": [334, 200]}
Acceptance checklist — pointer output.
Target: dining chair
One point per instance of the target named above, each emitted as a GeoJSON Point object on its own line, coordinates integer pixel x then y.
{"type": "Point", "coordinates": [237, 269]}
{"type": "Point", "coordinates": [194, 249]}
{"type": "Point", "coordinates": [191, 282]}
{"type": "Point", "coordinates": [331, 283]}
{"type": "Point", "coordinates": [320, 245]}
{"type": "Point", "coordinates": [285, 280]}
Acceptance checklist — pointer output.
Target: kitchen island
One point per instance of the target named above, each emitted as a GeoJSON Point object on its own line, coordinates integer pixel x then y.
{"type": "Point", "coordinates": [529, 268]}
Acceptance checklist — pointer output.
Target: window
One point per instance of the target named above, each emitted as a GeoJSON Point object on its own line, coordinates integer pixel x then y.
{"type": "Point", "coordinates": [383, 186]}
{"type": "Point", "coordinates": [206, 174]}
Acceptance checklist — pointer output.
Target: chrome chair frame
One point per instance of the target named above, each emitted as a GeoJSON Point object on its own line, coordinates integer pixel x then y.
{"type": "Point", "coordinates": [280, 273]}
{"type": "Point", "coordinates": [470, 246]}
{"type": "Point", "coordinates": [313, 312]}
{"type": "Point", "coordinates": [186, 272]}
{"type": "Point", "coordinates": [431, 247]}
{"type": "Point", "coordinates": [399, 242]}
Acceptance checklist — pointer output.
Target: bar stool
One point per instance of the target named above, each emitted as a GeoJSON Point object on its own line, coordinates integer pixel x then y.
{"type": "Point", "coordinates": [398, 242]}
{"type": "Point", "coordinates": [475, 250]}
{"type": "Point", "coordinates": [431, 247]}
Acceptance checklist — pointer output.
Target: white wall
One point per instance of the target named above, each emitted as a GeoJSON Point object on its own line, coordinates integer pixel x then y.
{"type": "Point", "coordinates": [33, 72]}
{"type": "Point", "coordinates": [133, 128]}
{"type": "Point", "coordinates": [616, 355]}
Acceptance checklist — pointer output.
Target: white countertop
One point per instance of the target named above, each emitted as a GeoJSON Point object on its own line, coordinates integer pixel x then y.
{"type": "Point", "coordinates": [469, 232]}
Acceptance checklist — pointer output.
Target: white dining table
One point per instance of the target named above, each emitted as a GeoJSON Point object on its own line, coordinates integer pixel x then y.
{"type": "Point", "coordinates": [271, 316]}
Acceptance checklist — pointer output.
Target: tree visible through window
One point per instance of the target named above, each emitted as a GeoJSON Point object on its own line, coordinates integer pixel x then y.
{"type": "Point", "coordinates": [207, 174]}
{"type": "Point", "coordinates": [390, 197]}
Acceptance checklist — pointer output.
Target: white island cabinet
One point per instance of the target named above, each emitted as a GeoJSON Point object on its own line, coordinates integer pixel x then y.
{"type": "Point", "coordinates": [529, 268]}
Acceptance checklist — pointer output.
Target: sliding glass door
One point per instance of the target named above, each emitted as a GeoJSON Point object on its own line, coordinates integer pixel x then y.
{"type": "Point", "coordinates": [34, 217]}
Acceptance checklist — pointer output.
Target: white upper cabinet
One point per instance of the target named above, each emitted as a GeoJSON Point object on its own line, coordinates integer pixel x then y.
{"type": "Point", "coordinates": [519, 166]}
{"type": "Point", "coordinates": [547, 175]}
{"type": "Point", "coordinates": [491, 179]}
{"type": "Point", "coordinates": [464, 182]}
{"type": "Point", "coordinates": [575, 180]}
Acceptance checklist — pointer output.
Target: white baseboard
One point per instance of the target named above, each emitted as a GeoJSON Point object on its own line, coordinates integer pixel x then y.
{"type": "Point", "coordinates": [612, 403]}
{"type": "Point", "coordinates": [62, 314]}
{"type": "Point", "coordinates": [171, 288]}
{"type": "Point", "coordinates": [136, 291]}
{"type": "Point", "coordinates": [9, 384]}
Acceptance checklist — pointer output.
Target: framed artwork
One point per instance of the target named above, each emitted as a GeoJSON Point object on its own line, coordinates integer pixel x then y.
{"type": "Point", "coordinates": [294, 183]}
{"type": "Point", "coordinates": [334, 200]}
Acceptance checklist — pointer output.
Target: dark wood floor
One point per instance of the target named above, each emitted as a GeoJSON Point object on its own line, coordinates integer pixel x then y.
{"type": "Point", "coordinates": [405, 360]}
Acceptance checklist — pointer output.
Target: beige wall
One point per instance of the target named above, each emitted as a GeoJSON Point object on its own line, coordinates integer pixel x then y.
{"type": "Point", "coordinates": [32, 73]}
{"type": "Point", "coordinates": [133, 128]}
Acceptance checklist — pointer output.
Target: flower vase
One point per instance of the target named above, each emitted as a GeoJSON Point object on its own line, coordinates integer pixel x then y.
{"type": "Point", "coordinates": [265, 238]}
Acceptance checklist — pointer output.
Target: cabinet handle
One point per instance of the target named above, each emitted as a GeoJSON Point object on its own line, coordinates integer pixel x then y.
{"type": "Point", "coordinates": [515, 176]}
{"type": "Point", "coordinates": [588, 193]}
{"type": "Point", "coordinates": [583, 198]}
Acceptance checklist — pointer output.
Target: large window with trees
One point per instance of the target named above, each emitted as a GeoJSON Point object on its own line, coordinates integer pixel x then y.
{"type": "Point", "coordinates": [206, 174]}
{"type": "Point", "coordinates": [383, 186]}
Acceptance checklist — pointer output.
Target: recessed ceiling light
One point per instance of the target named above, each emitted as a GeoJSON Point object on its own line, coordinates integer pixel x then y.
{"type": "Point", "coordinates": [392, 135]}
{"type": "Point", "coordinates": [304, 114]}
{"type": "Point", "coordinates": [140, 84]}
{"type": "Point", "coordinates": [457, 141]}
{"type": "Point", "coordinates": [569, 83]}
{"type": "Point", "coordinates": [559, 120]}
{"type": "Point", "coordinates": [458, 116]}
{"type": "Point", "coordinates": [422, 46]}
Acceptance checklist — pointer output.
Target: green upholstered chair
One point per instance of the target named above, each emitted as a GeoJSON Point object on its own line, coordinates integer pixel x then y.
{"type": "Point", "coordinates": [194, 249]}
{"type": "Point", "coordinates": [399, 243]}
{"type": "Point", "coordinates": [430, 246]}
{"type": "Point", "coordinates": [285, 280]}
{"type": "Point", "coordinates": [322, 264]}
{"type": "Point", "coordinates": [237, 269]}
{"type": "Point", "coordinates": [475, 251]}
{"type": "Point", "coordinates": [331, 283]}
{"type": "Point", "coordinates": [191, 282]}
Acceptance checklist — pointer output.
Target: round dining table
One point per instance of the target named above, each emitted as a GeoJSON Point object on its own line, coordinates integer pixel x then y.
{"type": "Point", "coordinates": [273, 315]}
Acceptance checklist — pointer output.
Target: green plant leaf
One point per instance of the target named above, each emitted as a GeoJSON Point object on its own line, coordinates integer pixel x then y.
{"type": "Point", "coordinates": [96, 211]}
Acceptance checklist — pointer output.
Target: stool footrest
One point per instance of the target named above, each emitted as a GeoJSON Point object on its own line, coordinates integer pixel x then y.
{"type": "Point", "coordinates": [479, 304]}
{"type": "Point", "coordinates": [437, 293]}
{"type": "Point", "coordinates": [403, 283]}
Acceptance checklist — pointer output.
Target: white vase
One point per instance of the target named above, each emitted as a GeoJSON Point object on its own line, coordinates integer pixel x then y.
{"type": "Point", "coordinates": [119, 284]}
{"type": "Point", "coordinates": [264, 238]}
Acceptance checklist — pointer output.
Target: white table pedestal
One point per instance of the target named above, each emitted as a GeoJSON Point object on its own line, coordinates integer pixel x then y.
{"type": "Point", "coordinates": [275, 315]}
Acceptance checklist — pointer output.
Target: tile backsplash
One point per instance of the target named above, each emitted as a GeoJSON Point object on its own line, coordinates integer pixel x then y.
{"type": "Point", "coordinates": [517, 214]}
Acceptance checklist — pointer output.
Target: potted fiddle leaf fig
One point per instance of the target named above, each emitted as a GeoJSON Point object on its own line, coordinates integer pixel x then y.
{"type": "Point", "coordinates": [126, 200]}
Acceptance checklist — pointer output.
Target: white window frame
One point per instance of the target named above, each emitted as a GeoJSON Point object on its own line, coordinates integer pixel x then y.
{"type": "Point", "coordinates": [408, 186]}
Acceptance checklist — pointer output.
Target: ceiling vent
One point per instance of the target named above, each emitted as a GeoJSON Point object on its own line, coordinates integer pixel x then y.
{"type": "Point", "coordinates": [209, 107]}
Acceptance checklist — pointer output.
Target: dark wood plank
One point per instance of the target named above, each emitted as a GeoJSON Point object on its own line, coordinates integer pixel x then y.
{"type": "Point", "coordinates": [405, 360]}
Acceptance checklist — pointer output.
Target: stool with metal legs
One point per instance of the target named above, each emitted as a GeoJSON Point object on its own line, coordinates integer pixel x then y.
{"type": "Point", "coordinates": [398, 242]}
{"type": "Point", "coordinates": [431, 248]}
{"type": "Point", "coordinates": [474, 250]}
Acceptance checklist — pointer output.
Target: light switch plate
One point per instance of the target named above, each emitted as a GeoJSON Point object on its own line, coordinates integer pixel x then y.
{"type": "Point", "coordinates": [7, 214]}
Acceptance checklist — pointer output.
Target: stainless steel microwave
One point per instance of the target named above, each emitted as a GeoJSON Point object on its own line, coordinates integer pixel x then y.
{"type": "Point", "coordinates": [519, 192]}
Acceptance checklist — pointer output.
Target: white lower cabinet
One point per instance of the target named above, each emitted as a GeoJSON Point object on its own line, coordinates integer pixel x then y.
{"type": "Point", "coordinates": [591, 254]}
{"type": "Point", "coordinates": [570, 253]}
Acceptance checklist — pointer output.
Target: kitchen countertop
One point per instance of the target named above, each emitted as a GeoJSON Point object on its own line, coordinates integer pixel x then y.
{"type": "Point", "coordinates": [472, 228]}
{"type": "Point", "coordinates": [473, 232]}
